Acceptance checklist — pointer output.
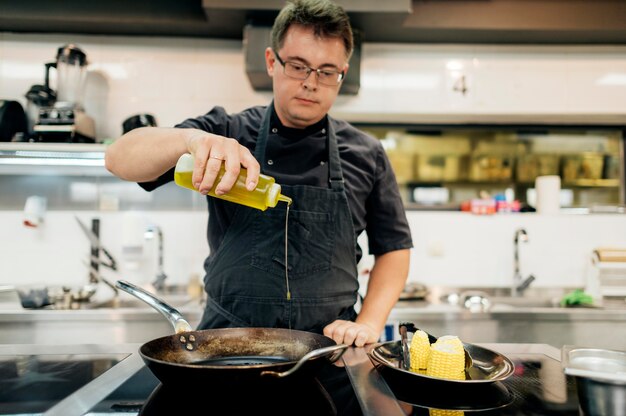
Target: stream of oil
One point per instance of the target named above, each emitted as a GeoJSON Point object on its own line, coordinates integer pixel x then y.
{"type": "Point", "coordinates": [286, 258]}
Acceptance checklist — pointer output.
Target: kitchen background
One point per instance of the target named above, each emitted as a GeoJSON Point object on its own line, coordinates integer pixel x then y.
{"type": "Point", "coordinates": [400, 85]}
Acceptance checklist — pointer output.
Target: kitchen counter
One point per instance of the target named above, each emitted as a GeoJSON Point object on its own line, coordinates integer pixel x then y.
{"type": "Point", "coordinates": [502, 323]}
{"type": "Point", "coordinates": [375, 396]}
{"type": "Point", "coordinates": [611, 311]}
{"type": "Point", "coordinates": [591, 327]}
{"type": "Point", "coordinates": [125, 324]}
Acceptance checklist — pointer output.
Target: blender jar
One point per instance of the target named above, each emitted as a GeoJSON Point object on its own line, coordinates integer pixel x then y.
{"type": "Point", "coordinates": [70, 65]}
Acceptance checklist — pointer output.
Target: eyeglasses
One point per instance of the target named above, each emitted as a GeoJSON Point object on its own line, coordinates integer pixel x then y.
{"type": "Point", "coordinates": [297, 70]}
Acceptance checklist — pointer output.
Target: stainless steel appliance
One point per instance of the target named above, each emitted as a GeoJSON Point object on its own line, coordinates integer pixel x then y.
{"type": "Point", "coordinates": [63, 119]}
{"type": "Point", "coordinates": [37, 97]}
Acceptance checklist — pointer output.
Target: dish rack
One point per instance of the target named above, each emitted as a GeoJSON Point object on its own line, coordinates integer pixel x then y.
{"type": "Point", "coordinates": [608, 272]}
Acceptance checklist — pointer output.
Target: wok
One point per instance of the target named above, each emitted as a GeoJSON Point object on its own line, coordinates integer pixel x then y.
{"type": "Point", "coordinates": [230, 355]}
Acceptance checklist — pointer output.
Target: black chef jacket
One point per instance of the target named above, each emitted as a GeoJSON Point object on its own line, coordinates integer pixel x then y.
{"type": "Point", "coordinates": [299, 156]}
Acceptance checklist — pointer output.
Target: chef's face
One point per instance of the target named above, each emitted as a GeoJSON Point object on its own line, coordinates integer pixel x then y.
{"type": "Point", "coordinates": [300, 103]}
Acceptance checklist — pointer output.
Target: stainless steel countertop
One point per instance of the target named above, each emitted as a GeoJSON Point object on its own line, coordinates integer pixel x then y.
{"type": "Point", "coordinates": [109, 314]}
{"type": "Point", "coordinates": [611, 310]}
{"type": "Point", "coordinates": [11, 312]}
{"type": "Point", "coordinates": [375, 397]}
{"type": "Point", "coordinates": [407, 309]}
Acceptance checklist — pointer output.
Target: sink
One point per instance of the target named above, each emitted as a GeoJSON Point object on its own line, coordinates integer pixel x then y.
{"type": "Point", "coordinates": [483, 299]}
{"type": "Point", "coordinates": [120, 303]}
{"type": "Point", "coordinates": [169, 290]}
{"type": "Point", "coordinates": [525, 301]}
{"type": "Point", "coordinates": [174, 295]}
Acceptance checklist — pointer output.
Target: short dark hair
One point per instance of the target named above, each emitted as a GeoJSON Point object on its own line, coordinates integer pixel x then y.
{"type": "Point", "coordinates": [327, 20]}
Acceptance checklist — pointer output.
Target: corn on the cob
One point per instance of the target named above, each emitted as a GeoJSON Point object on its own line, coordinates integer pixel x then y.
{"type": "Point", "coordinates": [444, 412]}
{"type": "Point", "coordinates": [443, 359]}
{"type": "Point", "coordinates": [419, 351]}
{"type": "Point", "coordinates": [451, 340]}
{"type": "Point", "coordinates": [446, 361]}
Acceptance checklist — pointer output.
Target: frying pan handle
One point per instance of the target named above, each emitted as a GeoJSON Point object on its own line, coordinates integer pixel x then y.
{"type": "Point", "coordinates": [172, 314]}
{"type": "Point", "coordinates": [337, 350]}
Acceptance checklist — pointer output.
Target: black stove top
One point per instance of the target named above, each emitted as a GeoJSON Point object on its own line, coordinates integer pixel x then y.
{"type": "Point", "coordinates": [31, 384]}
{"type": "Point", "coordinates": [538, 387]}
{"type": "Point", "coordinates": [144, 395]}
{"type": "Point", "coordinates": [35, 383]}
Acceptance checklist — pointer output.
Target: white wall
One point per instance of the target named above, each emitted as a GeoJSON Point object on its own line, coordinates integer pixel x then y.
{"type": "Point", "coordinates": [55, 252]}
{"type": "Point", "coordinates": [457, 249]}
{"type": "Point", "coordinates": [451, 248]}
{"type": "Point", "coordinates": [175, 78]}
{"type": "Point", "coordinates": [170, 78]}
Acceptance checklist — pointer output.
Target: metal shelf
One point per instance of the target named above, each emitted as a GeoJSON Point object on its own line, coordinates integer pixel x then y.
{"type": "Point", "coordinates": [578, 183]}
{"type": "Point", "coordinates": [70, 159]}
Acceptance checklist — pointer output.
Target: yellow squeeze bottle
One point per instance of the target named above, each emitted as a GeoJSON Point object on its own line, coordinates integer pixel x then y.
{"type": "Point", "coordinates": [265, 195]}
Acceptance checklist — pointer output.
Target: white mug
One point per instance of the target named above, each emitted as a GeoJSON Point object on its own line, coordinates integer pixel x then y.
{"type": "Point", "coordinates": [548, 190]}
{"type": "Point", "coordinates": [35, 210]}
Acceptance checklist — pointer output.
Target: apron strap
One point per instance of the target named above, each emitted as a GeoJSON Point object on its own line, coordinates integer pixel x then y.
{"type": "Point", "coordinates": [261, 141]}
{"type": "Point", "coordinates": [335, 176]}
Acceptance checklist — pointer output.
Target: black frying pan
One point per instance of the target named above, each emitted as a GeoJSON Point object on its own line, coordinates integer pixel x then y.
{"type": "Point", "coordinates": [230, 354]}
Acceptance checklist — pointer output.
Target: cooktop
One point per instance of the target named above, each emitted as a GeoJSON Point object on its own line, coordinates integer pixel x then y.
{"type": "Point", "coordinates": [536, 388]}
{"type": "Point", "coordinates": [32, 384]}
{"type": "Point", "coordinates": [105, 380]}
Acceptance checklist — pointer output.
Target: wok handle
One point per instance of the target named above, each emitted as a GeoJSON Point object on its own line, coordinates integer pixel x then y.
{"type": "Point", "coordinates": [172, 314]}
{"type": "Point", "coordinates": [337, 350]}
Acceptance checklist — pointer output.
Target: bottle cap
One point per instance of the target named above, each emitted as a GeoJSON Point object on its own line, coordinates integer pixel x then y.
{"type": "Point", "coordinates": [272, 195]}
{"type": "Point", "coordinates": [185, 163]}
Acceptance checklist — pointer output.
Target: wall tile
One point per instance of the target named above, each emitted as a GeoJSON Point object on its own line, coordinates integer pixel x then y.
{"type": "Point", "coordinates": [451, 248]}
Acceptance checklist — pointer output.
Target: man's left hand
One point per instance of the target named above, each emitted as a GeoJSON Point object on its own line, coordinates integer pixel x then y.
{"type": "Point", "coordinates": [348, 332]}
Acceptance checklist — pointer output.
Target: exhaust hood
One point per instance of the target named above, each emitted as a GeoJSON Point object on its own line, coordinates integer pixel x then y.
{"type": "Point", "coordinates": [386, 21]}
{"type": "Point", "coordinates": [357, 6]}
{"type": "Point", "coordinates": [259, 16]}
{"type": "Point", "coordinates": [257, 38]}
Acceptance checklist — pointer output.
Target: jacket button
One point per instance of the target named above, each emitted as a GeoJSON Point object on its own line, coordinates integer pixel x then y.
{"type": "Point", "coordinates": [270, 162]}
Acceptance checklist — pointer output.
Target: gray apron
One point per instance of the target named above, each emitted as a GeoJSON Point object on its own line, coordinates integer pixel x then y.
{"type": "Point", "coordinates": [245, 277]}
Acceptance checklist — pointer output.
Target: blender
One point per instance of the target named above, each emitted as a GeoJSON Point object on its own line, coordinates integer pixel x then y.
{"type": "Point", "coordinates": [64, 118]}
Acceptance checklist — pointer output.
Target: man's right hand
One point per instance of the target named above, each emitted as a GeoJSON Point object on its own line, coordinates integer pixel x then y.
{"type": "Point", "coordinates": [210, 151]}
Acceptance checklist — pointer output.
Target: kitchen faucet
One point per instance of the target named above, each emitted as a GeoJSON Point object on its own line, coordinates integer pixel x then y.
{"type": "Point", "coordinates": [159, 281]}
{"type": "Point", "coordinates": [519, 284]}
{"type": "Point", "coordinates": [94, 261]}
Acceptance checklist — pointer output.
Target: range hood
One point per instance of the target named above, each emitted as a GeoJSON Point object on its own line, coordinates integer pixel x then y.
{"type": "Point", "coordinates": [259, 16]}
{"type": "Point", "coordinates": [256, 39]}
{"type": "Point", "coordinates": [374, 6]}
{"type": "Point", "coordinates": [461, 21]}
{"type": "Point", "coordinates": [380, 21]}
